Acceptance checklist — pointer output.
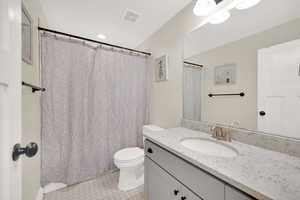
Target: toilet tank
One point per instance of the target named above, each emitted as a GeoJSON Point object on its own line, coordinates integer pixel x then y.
{"type": "Point", "coordinates": [150, 128]}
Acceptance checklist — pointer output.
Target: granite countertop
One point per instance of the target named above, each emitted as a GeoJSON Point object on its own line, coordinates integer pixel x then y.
{"type": "Point", "coordinates": [261, 173]}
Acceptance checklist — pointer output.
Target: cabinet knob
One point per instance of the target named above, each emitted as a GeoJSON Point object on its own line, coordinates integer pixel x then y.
{"type": "Point", "coordinates": [262, 113]}
{"type": "Point", "coordinates": [176, 192]}
{"type": "Point", "coordinates": [149, 150]}
{"type": "Point", "coordinates": [183, 198]}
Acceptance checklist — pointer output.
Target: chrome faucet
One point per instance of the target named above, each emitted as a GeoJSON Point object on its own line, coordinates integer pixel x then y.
{"type": "Point", "coordinates": [221, 133]}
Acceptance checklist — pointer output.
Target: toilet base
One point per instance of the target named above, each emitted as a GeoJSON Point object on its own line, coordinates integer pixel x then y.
{"type": "Point", "coordinates": [131, 177]}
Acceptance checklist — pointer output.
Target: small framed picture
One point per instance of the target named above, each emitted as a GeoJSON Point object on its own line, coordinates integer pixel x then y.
{"type": "Point", "coordinates": [161, 68]}
{"type": "Point", "coordinates": [225, 74]}
{"type": "Point", "coordinates": [26, 36]}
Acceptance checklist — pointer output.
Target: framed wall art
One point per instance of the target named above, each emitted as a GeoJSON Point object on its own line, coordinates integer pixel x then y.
{"type": "Point", "coordinates": [161, 68]}
{"type": "Point", "coordinates": [225, 74]}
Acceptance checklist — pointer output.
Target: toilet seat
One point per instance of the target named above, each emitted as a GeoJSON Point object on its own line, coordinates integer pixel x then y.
{"type": "Point", "coordinates": [129, 156]}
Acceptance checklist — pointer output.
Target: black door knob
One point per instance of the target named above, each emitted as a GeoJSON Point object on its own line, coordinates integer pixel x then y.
{"type": "Point", "coordinates": [262, 113]}
{"type": "Point", "coordinates": [176, 192]}
{"type": "Point", "coordinates": [30, 150]}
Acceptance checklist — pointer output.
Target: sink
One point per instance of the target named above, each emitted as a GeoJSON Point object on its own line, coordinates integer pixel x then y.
{"type": "Point", "coordinates": [209, 147]}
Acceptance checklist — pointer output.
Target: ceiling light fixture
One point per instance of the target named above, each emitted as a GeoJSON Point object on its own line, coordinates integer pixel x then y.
{"type": "Point", "coordinates": [101, 36]}
{"type": "Point", "coordinates": [203, 7]}
{"type": "Point", "coordinates": [245, 4]}
{"type": "Point", "coordinates": [220, 17]}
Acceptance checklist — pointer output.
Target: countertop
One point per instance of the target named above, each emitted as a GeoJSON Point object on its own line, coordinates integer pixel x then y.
{"type": "Point", "coordinates": [263, 174]}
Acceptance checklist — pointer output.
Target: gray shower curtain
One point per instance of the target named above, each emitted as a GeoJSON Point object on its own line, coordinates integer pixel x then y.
{"type": "Point", "coordinates": [96, 102]}
{"type": "Point", "coordinates": [192, 93]}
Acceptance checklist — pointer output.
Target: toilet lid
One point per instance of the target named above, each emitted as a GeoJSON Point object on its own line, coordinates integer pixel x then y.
{"type": "Point", "coordinates": [129, 154]}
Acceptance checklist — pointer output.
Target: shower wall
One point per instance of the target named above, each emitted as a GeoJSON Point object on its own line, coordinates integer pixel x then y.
{"type": "Point", "coordinates": [31, 125]}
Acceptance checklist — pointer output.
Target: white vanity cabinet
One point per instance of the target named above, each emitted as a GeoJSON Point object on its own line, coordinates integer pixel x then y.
{"type": "Point", "coordinates": [168, 177]}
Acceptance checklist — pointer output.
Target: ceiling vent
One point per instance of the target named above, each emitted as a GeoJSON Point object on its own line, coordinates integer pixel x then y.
{"type": "Point", "coordinates": [131, 16]}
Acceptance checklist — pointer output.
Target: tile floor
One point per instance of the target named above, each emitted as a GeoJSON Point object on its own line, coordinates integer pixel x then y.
{"type": "Point", "coordinates": [101, 188]}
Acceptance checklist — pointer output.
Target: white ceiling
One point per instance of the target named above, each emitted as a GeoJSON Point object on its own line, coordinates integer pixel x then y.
{"type": "Point", "coordinates": [243, 23]}
{"type": "Point", "coordinates": [89, 18]}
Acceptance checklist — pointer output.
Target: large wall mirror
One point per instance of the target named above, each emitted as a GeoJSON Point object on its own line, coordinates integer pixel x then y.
{"type": "Point", "coordinates": [245, 72]}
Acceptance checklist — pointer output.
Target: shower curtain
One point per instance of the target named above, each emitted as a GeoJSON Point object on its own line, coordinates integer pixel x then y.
{"type": "Point", "coordinates": [96, 102]}
{"type": "Point", "coordinates": [192, 93]}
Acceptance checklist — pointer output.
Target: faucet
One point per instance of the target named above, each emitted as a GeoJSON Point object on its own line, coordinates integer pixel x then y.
{"type": "Point", "coordinates": [221, 133]}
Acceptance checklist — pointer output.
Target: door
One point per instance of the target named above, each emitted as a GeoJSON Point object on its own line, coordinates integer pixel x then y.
{"type": "Point", "coordinates": [279, 89]}
{"type": "Point", "coordinates": [10, 97]}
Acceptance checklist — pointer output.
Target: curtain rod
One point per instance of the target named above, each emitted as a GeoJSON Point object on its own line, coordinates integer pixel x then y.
{"type": "Point", "coordinates": [90, 40]}
{"type": "Point", "coordinates": [194, 64]}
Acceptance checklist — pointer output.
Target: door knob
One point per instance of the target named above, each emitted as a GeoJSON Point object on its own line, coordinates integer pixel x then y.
{"type": "Point", "coordinates": [262, 113]}
{"type": "Point", "coordinates": [30, 150]}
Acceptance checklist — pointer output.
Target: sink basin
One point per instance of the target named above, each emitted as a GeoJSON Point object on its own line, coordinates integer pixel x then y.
{"type": "Point", "coordinates": [209, 147]}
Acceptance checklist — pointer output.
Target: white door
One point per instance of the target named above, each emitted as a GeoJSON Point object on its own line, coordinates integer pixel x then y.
{"type": "Point", "coordinates": [279, 89]}
{"type": "Point", "coordinates": [10, 97]}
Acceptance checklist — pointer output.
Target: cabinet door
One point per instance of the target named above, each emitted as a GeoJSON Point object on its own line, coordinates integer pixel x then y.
{"type": "Point", "coordinates": [186, 194]}
{"type": "Point", "coordinates": [159, 185]}
{"type": "Point", "coordinates": [233, 194]}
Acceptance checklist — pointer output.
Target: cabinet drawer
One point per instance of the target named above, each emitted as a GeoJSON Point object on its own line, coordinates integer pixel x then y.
{"type": "Point", "coordinates": [233, 194]}
{"type": "Point", "coordinates": [159, 185]}
{"type": "Point", "coordinates": [200, 182]}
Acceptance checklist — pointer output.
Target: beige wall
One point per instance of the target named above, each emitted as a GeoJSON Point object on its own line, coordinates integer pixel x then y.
{"type": "Point", "coordinates": [166, 102]}
{"type": "Point", "coordinates": [31, 125]}
{"type": "Point", "coordinates": [244, 53]}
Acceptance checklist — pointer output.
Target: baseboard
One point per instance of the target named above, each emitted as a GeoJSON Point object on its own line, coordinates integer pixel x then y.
{"type": "Point", "coordinates": [49, 188]}
{"type": "Point", "coordinates": [40, 194]}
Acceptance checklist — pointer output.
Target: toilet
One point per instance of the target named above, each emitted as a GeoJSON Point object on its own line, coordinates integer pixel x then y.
{"type": "Point", "coordinates": [130, 161]}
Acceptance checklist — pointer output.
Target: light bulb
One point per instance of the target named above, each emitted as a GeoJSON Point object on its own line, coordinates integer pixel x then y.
{"type": "Point", "coordinates": [203, 7]}
{"type": "Point", "coordinates": [245, 4]}
{"type": "Point", "coordinates": [220, 17]}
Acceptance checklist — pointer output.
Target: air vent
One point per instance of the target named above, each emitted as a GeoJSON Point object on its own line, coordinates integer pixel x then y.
{"type": "Point", "coordinates": [131, 16]}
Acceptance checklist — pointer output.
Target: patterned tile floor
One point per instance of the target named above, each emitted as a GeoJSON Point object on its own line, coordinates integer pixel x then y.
{"type": "Point", "coordinates": [101, 188]}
